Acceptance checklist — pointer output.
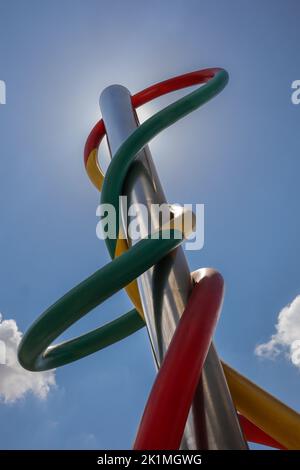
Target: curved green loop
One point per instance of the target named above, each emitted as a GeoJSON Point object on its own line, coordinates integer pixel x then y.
{"type": "Point", "coordinates": [120, 164]}
{"type": "Point", "coordinates": [35, 352]}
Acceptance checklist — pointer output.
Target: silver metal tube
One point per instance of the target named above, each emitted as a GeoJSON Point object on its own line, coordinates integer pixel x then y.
{"type": "Point", "coordinates": [164, 290]}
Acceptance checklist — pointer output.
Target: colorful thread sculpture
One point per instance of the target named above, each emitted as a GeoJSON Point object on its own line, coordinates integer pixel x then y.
{"type": "Point", "coordinates": [263, 418]}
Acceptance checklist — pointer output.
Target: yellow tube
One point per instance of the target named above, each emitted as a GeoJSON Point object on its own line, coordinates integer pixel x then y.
{"type": "Point", "coordinates": [269, 414]}
{"type": "Point", "coordinates": [93, 169]}
{"type": "Point", "coordinates": [132, 288]}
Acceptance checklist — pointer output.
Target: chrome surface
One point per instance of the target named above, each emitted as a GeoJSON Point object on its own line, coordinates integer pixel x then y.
{"type": "Point", "coordinates": [164, 290]}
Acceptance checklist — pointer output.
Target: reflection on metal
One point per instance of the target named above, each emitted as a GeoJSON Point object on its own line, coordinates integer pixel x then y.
{"type": "Point", "coordinates": [165, 288]}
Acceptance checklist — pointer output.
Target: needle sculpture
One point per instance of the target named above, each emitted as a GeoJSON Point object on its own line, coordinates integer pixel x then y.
{"type": "Point", "coordinates": [263, 418]}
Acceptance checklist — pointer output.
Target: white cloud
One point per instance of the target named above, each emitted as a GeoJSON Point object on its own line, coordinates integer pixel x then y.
{"type": "Point", "coordinates": [287, 337]}
{"type": "Point", "coordinates": [16, 382]}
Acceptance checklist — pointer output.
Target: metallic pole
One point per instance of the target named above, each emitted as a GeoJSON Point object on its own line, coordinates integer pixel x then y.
{"type": "Point", "coordinates": [164, 290]}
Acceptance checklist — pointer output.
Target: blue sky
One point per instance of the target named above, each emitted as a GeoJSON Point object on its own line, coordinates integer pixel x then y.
{"type": "Point", "coordinates": [239, 155]}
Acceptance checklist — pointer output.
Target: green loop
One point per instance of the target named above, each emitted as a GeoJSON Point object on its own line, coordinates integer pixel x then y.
{"type": "Point", "coordinates": [125, 155]}
{"type": "Point", "coordinates": [35, 352]}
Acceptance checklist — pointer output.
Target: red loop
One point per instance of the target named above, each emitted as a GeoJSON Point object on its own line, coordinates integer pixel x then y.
{"type": "Point", "coordinates": [168, 405]}
{"type": "Point", "coordinates": [255, 434]}
{"type": "Point", "coordinates": [149, 94]}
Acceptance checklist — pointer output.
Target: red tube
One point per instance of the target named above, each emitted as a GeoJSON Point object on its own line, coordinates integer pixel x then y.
{"type": "Point", "coordinates": [168, 405]}
{"type": "Point", "coordinates": [254, 434]}
{"type": "Point", "coordinates": [172, 84]}
{"type": "Point", "coordinates": [149, 94]}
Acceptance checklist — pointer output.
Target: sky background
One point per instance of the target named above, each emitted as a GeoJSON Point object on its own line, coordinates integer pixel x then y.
{"type": "Point", "coordinates": [239, 155]}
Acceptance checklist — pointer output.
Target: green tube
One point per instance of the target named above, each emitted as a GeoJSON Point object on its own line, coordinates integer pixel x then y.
{"type": "Point", "coordinates": [35, 351]}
